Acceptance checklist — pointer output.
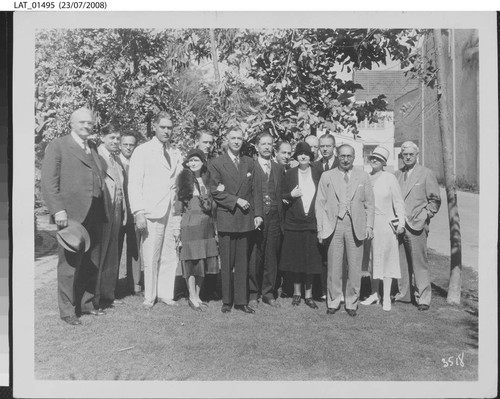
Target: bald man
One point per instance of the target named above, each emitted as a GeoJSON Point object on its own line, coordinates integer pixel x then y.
{"type": "Point", "coordinates": [73, 188]}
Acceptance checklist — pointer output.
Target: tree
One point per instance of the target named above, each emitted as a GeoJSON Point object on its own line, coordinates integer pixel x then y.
{"type": "Point", "coordinates": [455, 285]}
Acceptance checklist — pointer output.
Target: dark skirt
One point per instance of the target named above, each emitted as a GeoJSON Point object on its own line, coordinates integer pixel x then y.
{"type": "Point", "coordinates": [300, 252]}
{"type": "Point", "coordinates": [200, 267]}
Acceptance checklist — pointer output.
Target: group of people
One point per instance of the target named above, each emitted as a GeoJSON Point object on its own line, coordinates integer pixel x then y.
{"type": "Point", "coordinates": [264, 225]}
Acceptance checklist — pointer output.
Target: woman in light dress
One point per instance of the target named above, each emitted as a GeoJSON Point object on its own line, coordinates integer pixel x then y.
{"type": "Point", "coordinates": [389, 205]}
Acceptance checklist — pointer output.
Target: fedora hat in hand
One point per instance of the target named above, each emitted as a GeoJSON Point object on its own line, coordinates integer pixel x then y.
{"type": "Point", "coordinates": [74, 237]}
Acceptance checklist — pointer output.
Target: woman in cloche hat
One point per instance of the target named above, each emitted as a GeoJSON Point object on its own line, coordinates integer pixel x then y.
{"type": "Point", "coordinates": [389, 206]}
{"type": "Point", "coordinates": [198, 252]}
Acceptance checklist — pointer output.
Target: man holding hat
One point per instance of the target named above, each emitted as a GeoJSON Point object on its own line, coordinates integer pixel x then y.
{"type": "Point", "coordinates": [420, 191]}
{"type": "Point", "coordinates": [345, 216]}
{"type": "Point", "coordinates": [72, 188]}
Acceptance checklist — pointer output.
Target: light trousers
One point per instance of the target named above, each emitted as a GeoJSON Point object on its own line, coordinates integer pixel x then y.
{"type": "Point", "coordinates": [160, 260]}
{"type": "Point", "coordinates": [343, 240]}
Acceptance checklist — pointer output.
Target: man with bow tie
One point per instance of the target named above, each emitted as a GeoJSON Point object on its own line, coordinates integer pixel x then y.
{"type": "Point", "coordinates": [154, 167]}
{"type": "Point", "coordinates": [73, 188]}
{"type": "Point", "coordinates": [263, 268]}
{"type": "Point", "coordinates": [114, 177]}
{"type": "Point", "coordinates": [420, 191]}
{"type": "Point", "coordinates": [345, 215]}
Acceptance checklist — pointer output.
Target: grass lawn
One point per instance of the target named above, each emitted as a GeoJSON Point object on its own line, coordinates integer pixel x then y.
{"type": "Point", "coordinates": [176, 343]}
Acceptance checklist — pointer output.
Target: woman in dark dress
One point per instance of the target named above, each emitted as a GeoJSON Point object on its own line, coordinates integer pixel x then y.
{"type": "Point", "coordinates": [198, 253]}
{"type": "Point", "coordinates": [300, 253]}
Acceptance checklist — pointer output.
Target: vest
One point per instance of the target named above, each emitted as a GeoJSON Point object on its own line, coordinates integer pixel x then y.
{"type": "Point", "coordinates": [96, 174]}
{"type": "Point", "coordinates": [269, 193]}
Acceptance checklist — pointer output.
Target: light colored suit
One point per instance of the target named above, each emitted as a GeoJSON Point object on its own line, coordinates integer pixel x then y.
{"type": "Point", "coordinates": [151, 190]}
{"type": "Point", "coordinates": [116, 209]}
{"type": "Point", "coordinates": [422, 200]}
{"type": "Point", "coordinates": [343, 211]}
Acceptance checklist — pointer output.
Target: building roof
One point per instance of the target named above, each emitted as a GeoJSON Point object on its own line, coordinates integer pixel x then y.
{"type": "Point", "coordinates": [392, 84]}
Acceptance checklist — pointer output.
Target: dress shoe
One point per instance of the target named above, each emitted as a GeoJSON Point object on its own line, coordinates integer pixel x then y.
{"type": "Point", "coordinates": [225, 308]}
{"type": "Point", "coordinates": [423, 307]}
{"type": "Point", "coordinates": [372, 299]}
{"type": "Point", "coordinates": [95, 312]}
{"type": "Point", "coordinates": [310, 302]}
{"type": "Point", "coordinates": [147, 306]}
{"type": "Point", "coordinates": [194, 307]}
{"type": "Point", "coordinates": [342, 299]}
{"type": "Point", "coordinates": [331, 310]}
{"type": "Point", "coordinates": [139, 294]}
{"type": "Point", "coordinates": [386, 305]}
{"type": "Point", "coordinates": [254, 304]}
{"type": "Point", "coordinates": [352, 312]}
{"type": "Point", "coordinates": [244, 308]}
{"type": "Point", "coordinates": [72, 320]}
{"type": "Point", "coordinates": [271, 302]}
{"type": "Point", "coordinates": [296, 300]}
{"type": "Point", "coordinates": [202, 303]}
{"type": "Point", "coordinates": [169, 302]}
{"type": "Point", "coordinates": [118, 302]}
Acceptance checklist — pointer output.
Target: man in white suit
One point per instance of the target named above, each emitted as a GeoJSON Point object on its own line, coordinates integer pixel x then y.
{"type": "Point", "coordinates": [154, 167]}
{"type": "Point", "coordinates": [345, 215]}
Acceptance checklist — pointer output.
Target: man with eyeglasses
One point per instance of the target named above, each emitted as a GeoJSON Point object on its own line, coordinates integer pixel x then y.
{"type": "Point", "coordinates": [420, 191]}
{"type": "Point", "coordinates": [345, 215]}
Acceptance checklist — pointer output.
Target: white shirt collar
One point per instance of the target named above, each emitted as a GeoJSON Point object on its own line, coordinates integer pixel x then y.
{"type": "Point", "coordinates": [232, 156]}
{"type": "Point", "coordinates": [124, 159]}
{"type": "Point", "coordinates": [105, 150]}
{"type": "Point", "coordinates": [78, 139]}
{"type": "Point", "coordinates": [330, 161]}
{"type": "Point", "coordinates": [264, 162]}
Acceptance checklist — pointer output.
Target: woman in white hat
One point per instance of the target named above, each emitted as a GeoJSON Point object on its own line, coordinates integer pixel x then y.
{"type": "Point", "coordinates": [389, 205]}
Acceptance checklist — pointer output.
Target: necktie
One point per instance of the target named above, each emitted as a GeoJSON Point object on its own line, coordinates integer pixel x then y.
{"type": "Point", "coordinates": [327, 166]}
{"type": "Point", "coordinates": [86, 147]}
{"type": "Point", "coordinates": [166, 155]}
{"type": "Point", "coordinates": [406, 174]}
{"type": "Point", "coordinates": [112, 159]}
{"type": "Point", "coordinates": [237, 162]}
{"type": "Point", "coordinates": [346, 177]}
{"type": "Point", "coordinates": [267, 169]}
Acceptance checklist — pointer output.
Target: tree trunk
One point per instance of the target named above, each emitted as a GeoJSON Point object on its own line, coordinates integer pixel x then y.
{"type": "Point", "coordinates": [215, 57]}
{"type": "Point", "coordinates": [455, 285]}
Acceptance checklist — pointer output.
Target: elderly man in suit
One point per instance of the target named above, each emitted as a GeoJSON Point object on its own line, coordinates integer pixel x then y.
{"type": "Point", "coordinates": [268, 177]}
{"type": "Point", "coordinates": [345, 215]}
{"type": "Point", "coordinates": [154, 167]}
{"type": "Point", "coordinates": [420, 191]}
{"type": "Point", "coordinates": [129, 234]}
{"type": "Point", "coordinates": [313, 142]}
{"type": "Point", "coordinates": [114, 176]}
{"type": "Point", "coordinates": [231, 186]}
{"type": "Point", "coordinates": [73, 188]}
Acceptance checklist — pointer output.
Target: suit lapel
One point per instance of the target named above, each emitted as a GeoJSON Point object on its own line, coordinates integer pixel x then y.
{"type": "Point", "coordinates": [353, 184]}
{"type": "Point", "coordinates": [412, 179]}
{"type": "Point", "coordinates": [337, 183]}
{"type": "Point", "coordinates": [77, 151]}
{"type": "Point", "coordinates": [231, 167]}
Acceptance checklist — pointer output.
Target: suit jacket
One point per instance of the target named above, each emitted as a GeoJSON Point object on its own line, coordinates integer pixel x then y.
{"type": "Point", "coordinates": [319, 164]}
{"type": "Point", "coordinates": [112, 184]}
{"type": "Point", "coordinates": [152, 181]}
{"type": "Point", "coordinates": [360, 202]}
{"type": "Point", "coordinates": [237, 184]}
{"type": "Point", "coordinates": [295, 218]}
{"type": "Point", "coordinates": [260, 179]}
{"type": "Point", "coordinates": [67, 178]}
{"type": "Point", "coordinates": [421, 195]}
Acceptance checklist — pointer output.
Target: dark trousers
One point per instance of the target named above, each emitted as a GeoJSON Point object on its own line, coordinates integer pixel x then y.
{"type": "Point", "coordinates": [133, 264]}
{"type": "Point", "coordinates": [234, 254]}
{"type": "Point", "coordinates": [264, 265]}
{"type": "Point", "coordinates": [77, 272]}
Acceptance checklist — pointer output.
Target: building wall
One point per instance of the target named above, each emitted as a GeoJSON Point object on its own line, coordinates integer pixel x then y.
{"type": "Point", "coordinates": [463, 109]}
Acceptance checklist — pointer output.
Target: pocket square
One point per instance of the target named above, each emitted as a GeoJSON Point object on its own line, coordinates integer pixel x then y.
{"type": "Point", "coordinates": [249, 174]}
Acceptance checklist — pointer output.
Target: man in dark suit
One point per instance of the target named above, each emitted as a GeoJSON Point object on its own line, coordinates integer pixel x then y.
{"type": "Point", "coordinates": [128, 142]}
{"type": "Point", "coordinates": [114, 176]}
{"type": "Point", "coordinates": [72, 188]}
{"type": "Point", "coordinates": [328, 161]}
{"type": "Point", "coordinates": [231, 186]}
{"type": "Point", "coordinates": [345, 213]}
{"type": "Point", "coordinates": [283, 154]}
{"type": "Point", "coordinates": [268, 177]}
{"type": "Point", "coordinates": [422, 198]}
{"type": "Point", "coordinates": [327, 148]}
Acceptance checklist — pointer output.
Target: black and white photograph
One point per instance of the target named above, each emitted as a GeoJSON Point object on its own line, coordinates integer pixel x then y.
{"type": "Point", "coordinates": [255, 204]}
